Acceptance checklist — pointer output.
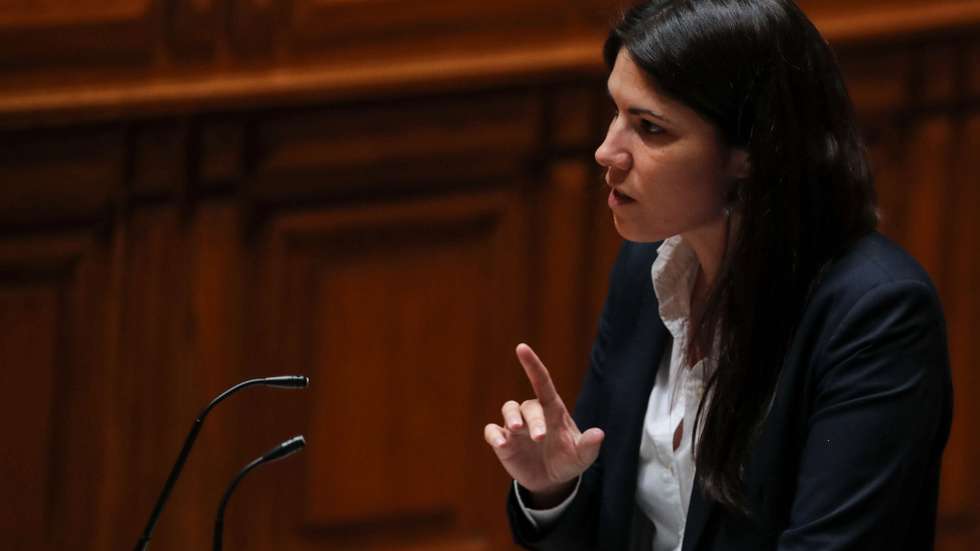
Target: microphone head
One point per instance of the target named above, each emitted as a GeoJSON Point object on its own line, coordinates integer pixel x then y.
{"type": "Point", "coordinates": [288, 447]}
{"type": "Point", "coordinates": [287, 381]}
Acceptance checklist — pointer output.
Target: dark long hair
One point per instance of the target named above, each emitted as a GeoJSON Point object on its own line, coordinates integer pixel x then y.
{"type": "Point", "coordinates": [762, 74]}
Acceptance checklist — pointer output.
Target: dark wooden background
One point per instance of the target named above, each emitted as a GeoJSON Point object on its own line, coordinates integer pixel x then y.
{"type": "Point", "coordinates": [386, 196]}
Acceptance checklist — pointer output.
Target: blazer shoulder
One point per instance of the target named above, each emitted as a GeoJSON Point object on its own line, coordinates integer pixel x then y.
{"type": "Point", "coordinates": [872, 261]}
{"type": "Point", "coordinates": [874, 272]}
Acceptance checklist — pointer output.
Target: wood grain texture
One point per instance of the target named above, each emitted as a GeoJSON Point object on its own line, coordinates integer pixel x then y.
{"type": "Point", "coordinates": [38, 13]}
{"type": "Point", "coordinates": [56, 33]}
{"type": "Point", "coordinates": [59, 176]}
{"type": "Point", "coordinates": [52, 302]}
{"type": "Point", "coordinates": [259, 58]}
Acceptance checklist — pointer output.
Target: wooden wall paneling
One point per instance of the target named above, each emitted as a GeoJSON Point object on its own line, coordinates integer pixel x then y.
{"type": "Point", "coordinates": [256, 27]}
{"type": "Point", "coordinates": [52, 318]}
{"type": "Point", "coordinates": [971, 68]}
{"type": "Point", "coordinates": [267, 337]}
{"type": "Point", "coordinates": [116, 441]}
{"type": "Point", "coordinates": [58, 176]}
{"type": "Point", "coordinates": [890, 22]}
{"type": "Point", "coordinates": [180, 342]}
{"type": "Point", "coordinates": [571, 112]}
{"type": "Point", "coordinates": [392, 310]}
{"type": "Point", "coordinates": [877, 80]}
{"type": "Point", "coordinates": [559, 329]}
{"type": "Point", "coordinates": [508, 321]}
{"type": "Point", "coordinates": [926, 184]}
{"type": "Point", "coordinates": [213, 347]}
{"type": "Point", "coordinates": [221, 155]}
{"type": "Point", "coordinates": [155, 392]}
{"type": "Point", "coordinates": [158, 162]}
{"type": "Point", "coordinates": [929, 182]}
{"type": "Point", "coordinates": [429, 25]}
{"type": "Point", "coordinates": [65, 183]}
{"type": "Point", "coordinates": [355, 150]}
{"type": "Point", "coordinates": [959, 524]}
{"type": "Point", "coordinates": [196, 28]}
{"type": "Point", "coordinates": [85, 33]}
{"type": "Point", "coordinates": [561, 223]}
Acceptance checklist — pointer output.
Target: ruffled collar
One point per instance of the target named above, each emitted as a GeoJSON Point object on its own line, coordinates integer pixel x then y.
{"type": "Point", "coordinates": [674, 272]}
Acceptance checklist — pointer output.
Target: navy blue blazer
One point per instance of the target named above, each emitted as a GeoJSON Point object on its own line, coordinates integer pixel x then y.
{"type": "Point", "coordinates": [849, 455]}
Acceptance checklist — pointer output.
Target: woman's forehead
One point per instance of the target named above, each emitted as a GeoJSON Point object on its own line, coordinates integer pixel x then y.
{"type": "Point", "coordinates": [629, 85]}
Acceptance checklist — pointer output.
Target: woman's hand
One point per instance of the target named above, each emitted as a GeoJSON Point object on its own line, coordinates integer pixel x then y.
{"type": "Point", "coordinates": [539, 444]}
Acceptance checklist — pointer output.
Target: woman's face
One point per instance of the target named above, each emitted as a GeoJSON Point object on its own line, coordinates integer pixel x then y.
{"type": "Point", "coordinates": [667, 167]}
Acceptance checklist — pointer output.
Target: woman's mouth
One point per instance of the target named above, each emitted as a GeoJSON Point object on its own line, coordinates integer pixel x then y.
{"type": "Point", "coordinates": [617, 198]}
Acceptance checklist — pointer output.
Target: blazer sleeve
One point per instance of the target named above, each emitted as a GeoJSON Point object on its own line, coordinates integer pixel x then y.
{"type": "Point", "coordinates": [879, 420]}
{"type": "Point", "coordinates": [576, 529]}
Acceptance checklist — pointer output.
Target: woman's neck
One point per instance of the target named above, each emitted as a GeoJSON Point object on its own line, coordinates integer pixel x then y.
{"type": "Point", "coordinates": [709, 244]}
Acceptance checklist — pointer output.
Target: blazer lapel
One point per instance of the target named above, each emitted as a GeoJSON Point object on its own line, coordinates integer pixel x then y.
{"type": "Point", "coordinates": [699, 512]}
{"type": "Point", "coordinates": [637, 363]}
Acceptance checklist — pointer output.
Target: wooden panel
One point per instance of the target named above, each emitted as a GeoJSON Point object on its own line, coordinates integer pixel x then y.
{"type": "Point", "coordinates": [157, 159]}
{"type": "Point", "coordinates": [29, 313]}
{"type": "Point", "coordinates": [257, 27]}
{"type": "Point", "coordinates": [891, 21]}
{"type": "Point", "coordinates": [73, 32]}
{"type": "Point", "coordinates": [179, 340]}
{"type": "Point", "coordinates": [398, 313]}
{"type": "Point", "coordinates": [246, 52]}
{"type": "Point", "coordinates": [62, 175]}
{"type": "Point", "coordinates": [221, 154]}
{"type": "Point", "coordinates": [960, 505]}
{"type": "Point", "coordinates": [196, 27]}
{"type": "Point", "coordinates": [561, 274]}
{"type": "Point", "coordinates": [368, 149]}
{"type": "Point", "coordinates": [40, 13]}
{"type": "Point", "coordinates": [155, 349]}
{"type": "Point", "coordinates": [51, 338]}
{"type": "Point", "coordinates": [427, 23]}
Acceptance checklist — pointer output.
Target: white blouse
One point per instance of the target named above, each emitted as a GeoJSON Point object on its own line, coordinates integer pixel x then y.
{"type": "Point", "coordinates": [666, 475]}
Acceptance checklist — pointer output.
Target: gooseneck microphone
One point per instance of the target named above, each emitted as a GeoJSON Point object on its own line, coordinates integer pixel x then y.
{"type": "Point", "coordinates": [282, 381]}
{"type": "Point", "coordinates": [288, 447]}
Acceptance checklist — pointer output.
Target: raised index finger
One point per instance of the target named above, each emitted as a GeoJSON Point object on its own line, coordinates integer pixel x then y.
{"type": "Point", "coordinates": [537, 373]}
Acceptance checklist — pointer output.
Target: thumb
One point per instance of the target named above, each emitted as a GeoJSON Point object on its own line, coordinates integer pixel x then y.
{"type": "Point", "coordinates": [588, 445]}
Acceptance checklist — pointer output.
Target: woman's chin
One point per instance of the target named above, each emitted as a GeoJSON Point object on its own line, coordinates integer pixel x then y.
{"type": "Point", "coordinates": [631, 231]}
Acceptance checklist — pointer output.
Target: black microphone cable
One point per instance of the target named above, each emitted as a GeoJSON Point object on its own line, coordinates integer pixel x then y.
{"type": "Point", "coordinates": [282, 381]}
{"type": "Point", "coordinates": [288, 447]}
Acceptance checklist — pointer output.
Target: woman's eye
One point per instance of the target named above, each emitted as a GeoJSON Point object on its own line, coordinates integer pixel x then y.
{"type": "Point", "coordinates": [649, 127]}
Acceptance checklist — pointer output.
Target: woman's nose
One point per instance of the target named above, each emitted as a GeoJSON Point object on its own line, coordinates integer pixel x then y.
{"type": "Point", "coordinates": [610, 155]}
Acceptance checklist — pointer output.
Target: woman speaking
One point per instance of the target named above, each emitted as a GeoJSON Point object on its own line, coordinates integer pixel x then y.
{"type": "Point", "coordinates": [769, 371]}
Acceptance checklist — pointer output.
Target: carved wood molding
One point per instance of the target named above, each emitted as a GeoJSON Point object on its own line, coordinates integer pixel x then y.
{"type": "Point", "coordinates": [293, 85]}
{"type": "Point", "coordinates": [235, 86]}
{"type": "Point", "coordinates": [857, 27]}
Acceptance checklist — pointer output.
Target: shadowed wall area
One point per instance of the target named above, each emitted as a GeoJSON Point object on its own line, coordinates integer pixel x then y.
{"type": "Point", "coordinates": [387, 197]}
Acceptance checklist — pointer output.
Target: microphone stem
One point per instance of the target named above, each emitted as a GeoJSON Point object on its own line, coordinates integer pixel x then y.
{"type": "Point", "coordinates": [144, 540]}
{"type": "Point", "coordinates": [219, 522]}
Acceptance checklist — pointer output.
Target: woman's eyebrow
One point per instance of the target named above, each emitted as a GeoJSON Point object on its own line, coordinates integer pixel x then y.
{"type": "Point", "coordinates": [639, 110]}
